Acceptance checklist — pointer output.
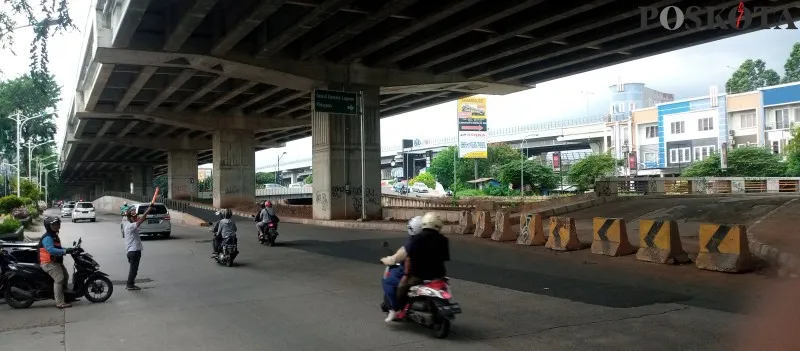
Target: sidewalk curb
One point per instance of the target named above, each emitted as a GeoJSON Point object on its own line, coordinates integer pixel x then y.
{"type": "Point", "coordinates": [787, 264]}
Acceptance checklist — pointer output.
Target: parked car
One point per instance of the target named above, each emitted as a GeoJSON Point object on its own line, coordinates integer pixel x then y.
{"type": "Point", "coordinates": [273, 186]}
{"type": "Point", "coordinates": [419, 187]}
{"type": "Point", "coordinates": [83, 211]}
{"type": "Point", "coordinates": [158, 220]}
{"type": "Point", "coordinates": [66, 210]}
{"type": "Point", "coordinates": [298, 185]}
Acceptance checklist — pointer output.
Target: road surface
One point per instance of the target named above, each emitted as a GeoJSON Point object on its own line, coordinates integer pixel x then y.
{"type": "Point", "coordinates": [319, 290]}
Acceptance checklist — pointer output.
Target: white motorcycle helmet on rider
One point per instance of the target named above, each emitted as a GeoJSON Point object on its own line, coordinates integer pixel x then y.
{"type": "Point", "coordinates": [432, 221]}
{"type": "Point", "coordinates": [415, 225]}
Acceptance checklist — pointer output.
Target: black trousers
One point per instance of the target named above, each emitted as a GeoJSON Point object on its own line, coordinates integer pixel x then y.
{"type": "Point", "coordinates": [402, 291]}
{"type": "Point", "coordinates": [133, 259]}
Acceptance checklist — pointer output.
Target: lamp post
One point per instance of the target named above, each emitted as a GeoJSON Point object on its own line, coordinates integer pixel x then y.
{"type": "Point", "coordinates": [625, 150]}
{"type": "Point", "coordinates": [20, 119]}
{"type": "Point", "coordinates": [39, 168]}
{"type": "Point", "coordinates": [32, 146]}
{"type": "Point", "coordinates": [5, 176]}
{"type": "Point", "coordinates": [522, 163]}
{"type": "Point", "coordinates": [278, 168]}
{"type": "Point", "coordinates": [46, 183]}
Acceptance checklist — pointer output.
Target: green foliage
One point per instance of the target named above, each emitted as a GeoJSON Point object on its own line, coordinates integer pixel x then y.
{"type": "Point", "coordinates": [30, 98]}
{"type": "Point", "coordinates": [792, 65]}
{"type": "Point", "coordinates": [9, 203]}
{"type": "Point", "coordinates": [9, 224]}
{"type": "Point", "coordinates": [583, 173]}
{"type": "Point", "coordinates": [162, 182]}
{"type": "Point", "coordinates": [309, 179]}
{"type": "Point", "coordinates": [205, 185]}
{"type": "Point", "coordinates": [44, 18]}
{"type": "Point", "coordinates": [498, 154]}
{"type": "Point", "coordinates": [537, 175]}
{"type": "Point", "coordinates": [793, 154]}
{"type": "Point", "coordinates": [751, 75]}
{"type": "Point", "coordinates": [425, 178]}
{"type": "Point", "coordinates": [265, 177]}
{"type": "Point", "coordinates": [28, 190]}
{"type": "Point", "coordinates": [742, 162]}
{"type": "Point", "coordinates": [33, 211]}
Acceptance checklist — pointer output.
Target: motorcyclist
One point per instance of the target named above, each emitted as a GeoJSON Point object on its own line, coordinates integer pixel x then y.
{"type": "Point", "coordinates": [123, 209]}
{"type": "Point", "coordinates": [426, 256]}
{"type": "Point", "coordinates": [51, 259]}
{"type": "Point", "coordinates": [392, 280]}
{"type": "Point", "coordinates": [223, 229]}
{"type": "Point", "coordinates": [267, 215]}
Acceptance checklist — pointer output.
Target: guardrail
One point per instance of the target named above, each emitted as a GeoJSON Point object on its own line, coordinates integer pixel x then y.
{"type": "Point", "coordinates": [285, 191]}
{"type": "Point", "coordinates": [699, 185]}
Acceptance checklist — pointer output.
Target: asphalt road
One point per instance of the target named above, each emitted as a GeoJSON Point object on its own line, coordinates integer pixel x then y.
{"type": "Point", "coordinates": [319, 290]}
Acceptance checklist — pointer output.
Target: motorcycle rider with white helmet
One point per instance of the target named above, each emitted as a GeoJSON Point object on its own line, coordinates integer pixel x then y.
{"type": "Point", "coordinates": [392, 280]}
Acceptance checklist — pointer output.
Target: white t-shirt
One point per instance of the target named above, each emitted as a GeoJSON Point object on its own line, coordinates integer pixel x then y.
{"type": "Point", "coordinates": [132, 239]}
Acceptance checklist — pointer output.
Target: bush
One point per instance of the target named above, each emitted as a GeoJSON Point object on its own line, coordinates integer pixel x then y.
{"type": "Point", "coordinates": [9, 203]}
{"type": "Point", "coordinates": [27, 201]}
{"type": "Point", "coordinates": [33, 211]}
{"type": "Point", "coordinates": [425, 178]}
{"type": "Point", "coordinates": [20, 213]}
{"type": "Point", "coordinates": [9, 225]}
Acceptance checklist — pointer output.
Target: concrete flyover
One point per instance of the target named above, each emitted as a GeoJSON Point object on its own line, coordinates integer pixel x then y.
{"type": "Point", "coordinates": [164, 85]}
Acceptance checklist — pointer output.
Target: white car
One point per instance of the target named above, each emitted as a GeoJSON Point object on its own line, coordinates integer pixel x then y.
{"type": "Point", "coordinates": [419, 187]}
{"type": "Point", "coordinates": [66, 210]}
{"type": "Point", "coordinates": [158, 220]}
{"type": "Point", "coordinates": [83, 211]}
{"type": "Point", "coordinates": [297, 185]}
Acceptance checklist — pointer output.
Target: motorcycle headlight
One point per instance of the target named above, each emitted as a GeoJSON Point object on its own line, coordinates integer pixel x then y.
{"type": "Point", "coordinates": [12, 267]}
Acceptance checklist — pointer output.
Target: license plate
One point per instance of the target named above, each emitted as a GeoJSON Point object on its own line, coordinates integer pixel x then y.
{"type": "Point", "coordinates": [450, 309]}
{"type": "Point", "coordinates": [152, 221]}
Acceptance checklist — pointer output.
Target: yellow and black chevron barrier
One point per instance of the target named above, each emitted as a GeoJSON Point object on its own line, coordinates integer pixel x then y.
{"type": "Point", "coordinates": [724, 248]}
{"type": "Point", "coordinates": [610, 237]}
{"type": "Point", "coordinates": [563, 236]}
{"type": "Point", "coordinates": [660, 242]}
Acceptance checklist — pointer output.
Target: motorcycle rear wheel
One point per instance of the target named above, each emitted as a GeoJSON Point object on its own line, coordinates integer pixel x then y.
{"type": "Point", "coordinates": [440, 328]}
{"type": "Point", "coordinates": [17, 302]}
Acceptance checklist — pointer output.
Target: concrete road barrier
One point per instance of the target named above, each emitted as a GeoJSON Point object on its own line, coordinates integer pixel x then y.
{"type": "Point", "coordinates": [483, 225]}
{"type": "Point", "coordinates": [466, 224]}
{"type": "Point", "coordinates": [531, 231]}
{"type": "Point", "coordinates": [502, 227]}
{"type": "Point", "coordinates": [611, 237]}
{"type": "Point", "coordinates": [563, 236]}
{"type": "Point", "coordinates": [724, 248]}
{"type": "Point", "coordinates": [660, 242]}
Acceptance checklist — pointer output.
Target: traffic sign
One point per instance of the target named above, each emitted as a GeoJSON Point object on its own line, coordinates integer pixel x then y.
{"type": "Point", "coordinates": [339, 102]}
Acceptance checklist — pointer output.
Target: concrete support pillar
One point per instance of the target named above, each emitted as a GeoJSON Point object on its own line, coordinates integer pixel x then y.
{"type": "Point", "coordinates": [336, 161]}
{"type": "Point", "coordinates": [234, 172]}
{"type": "Point", "coordinates": [119, 182]}
{"type": "Point", "coordinates": [143, 181]}
{"type": "Point", "coordinates": [98, 191]}
{"type": "Point", "coordinates": [182, 174]}
{"type": "Point", "coordinates": [294, 178]}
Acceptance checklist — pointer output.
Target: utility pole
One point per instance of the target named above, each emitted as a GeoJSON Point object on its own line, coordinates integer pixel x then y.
{"type": "Point", "coordinates": [20, 119]}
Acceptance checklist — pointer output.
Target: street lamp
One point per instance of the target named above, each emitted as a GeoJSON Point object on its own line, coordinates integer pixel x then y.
{"type": "Point", "coordinates": [46, 181]}
{"type": "Point", "coordinates": [32, 146]}
{"type": "Point", "coordinates": [5, 176]}
{"type": "Point", "coordinates": [20, 119]}
{"type": "Point", "coordinates": [522, 163]}
{"type": "Point", "coordinates": [625, 150]}
{"type": "Point", "coordinates": [40, 168]}
{"type": "Point", "coordinates": [278, 168]}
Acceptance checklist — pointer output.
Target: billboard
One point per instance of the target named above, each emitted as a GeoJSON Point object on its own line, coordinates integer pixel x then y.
{"type": "Point", "coordinates": [473, 134]}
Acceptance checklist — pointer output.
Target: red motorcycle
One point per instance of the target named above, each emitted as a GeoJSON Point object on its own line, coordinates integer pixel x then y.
{"type": "Point", "coordinates": [268, 237]}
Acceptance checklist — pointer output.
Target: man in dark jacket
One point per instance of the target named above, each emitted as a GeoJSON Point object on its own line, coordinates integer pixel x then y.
{"type": "Point", "coordinates": [427, 254]}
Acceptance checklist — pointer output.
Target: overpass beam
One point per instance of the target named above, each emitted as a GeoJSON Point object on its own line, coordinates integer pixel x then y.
{"type": "Point", "coordinates": [181, 173]}
{"type": "Point", "coordinates": [143, 180]}
{"type": "Point", "coordinates": [336, 160]}
{"type": "Point", "coordinates": [234, 167]}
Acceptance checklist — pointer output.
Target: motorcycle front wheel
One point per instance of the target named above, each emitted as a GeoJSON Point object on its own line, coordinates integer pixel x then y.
{"type": "Point", "coordinates": [98, 289]}
{"type": "Point", "coordinates": [16, 301]}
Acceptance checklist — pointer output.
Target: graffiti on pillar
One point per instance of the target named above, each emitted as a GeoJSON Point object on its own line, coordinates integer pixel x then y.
{"type": "Point", "coordinates": [357, 204]}
{"type": "Point", "coordinates": [372, 199]}
{"type": "Point", "coordinates": [700, 185]}
{"type": "Point", "coordinates": [321, 199]}
{"type": "Point", "coordinates": [181, 192]}
{"type": "Point", "coordinates": [232, 189]}
{"type": "Point", "coordinates": [652, 187]}
{"type": "Point", "coordinates": [338, 191]}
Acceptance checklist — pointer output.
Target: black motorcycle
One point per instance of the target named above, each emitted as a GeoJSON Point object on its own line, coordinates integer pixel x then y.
{"type": "Point", "coordinates": [27, 283]}
{"type": "Point", "coordinates": [23, 252]}
{"type": "Point", "coordinates": [268, 237]}
{"type": "Point", "coordinates": [229, 249]}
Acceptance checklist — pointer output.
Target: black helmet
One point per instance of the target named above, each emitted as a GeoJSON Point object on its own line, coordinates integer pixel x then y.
{"type": "Point", "coordinates": [226, 213]}
{"type": "Point", "coordinates": [49, 221]}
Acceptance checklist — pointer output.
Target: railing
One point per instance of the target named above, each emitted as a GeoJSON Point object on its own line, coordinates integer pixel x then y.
{"type": "Point", "coordinates": [308, 189]}
{"type": "Point", "coordinates": [700, 185]}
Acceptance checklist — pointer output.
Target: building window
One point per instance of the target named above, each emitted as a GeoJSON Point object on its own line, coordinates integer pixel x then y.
{"type": "Point", "coordinates": [632, 106]}
{"type": "Point", "coordinates": [704, 124]}
{"type": "Point", "coordinates": [651, 132]}
{"type": "Point", "coordinates": [747, 120]}
{"type": "Point", "coordinates": [703, 152]}
{"type": "Point", "coordinates": [782, 119]}
{"type": "Point", "coordinates": [680, 155]}
{"type": "Point", "coordinates": [677, 127]}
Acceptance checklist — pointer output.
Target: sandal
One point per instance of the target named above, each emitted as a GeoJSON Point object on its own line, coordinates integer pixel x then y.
{"type": "Point", "coordinates": [64, 305]}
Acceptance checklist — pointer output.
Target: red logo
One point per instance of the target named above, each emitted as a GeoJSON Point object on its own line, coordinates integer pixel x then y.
{"type": "Point", "coordinates": [740, 10]}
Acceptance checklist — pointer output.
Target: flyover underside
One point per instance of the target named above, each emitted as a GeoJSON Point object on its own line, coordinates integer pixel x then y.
{"type": "Point", "coordinates": [164, 75]}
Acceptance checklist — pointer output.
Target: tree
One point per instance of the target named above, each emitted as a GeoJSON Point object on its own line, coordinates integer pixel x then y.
{"type": "Point", "coordinates": [424, 178]}
{"type": "Point", "coordinates": [45, 18]}
{"type": "Point", "coordinates": [442, 164]}
{"type": "Point", "coordinates": [537, 175]}
{"type": "Point", "coordinates": [162, 182]}
{"type": "Point", "coordinates": [751, 75]}
{"type": "Point", "coordinates": [583, 173]}
{"type": "Point", "coordinates": [265, 177]}
{"type": "Point", "coordinates": [29, 98]}
{"type": "Point", "coordinates": [28, 189]}
{"type": "Point", "coordinates": [309, 179]}
{"type": "Point", "coordinates": [793, 154]}
{"type": "Point", "coordinates": [792, 65]}
{"type": "Point", "coordinates": [742, 162]}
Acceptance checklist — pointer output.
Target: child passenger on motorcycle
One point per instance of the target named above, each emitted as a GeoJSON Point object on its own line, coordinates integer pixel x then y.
{"type": "Point", "coordinates": [223, 229]}
{"type": "Point", "coordinates": [392, 280]}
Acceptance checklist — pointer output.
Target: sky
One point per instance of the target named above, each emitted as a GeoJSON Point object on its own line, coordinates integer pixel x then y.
{"type": "Point", "coordinates": [685, 73]}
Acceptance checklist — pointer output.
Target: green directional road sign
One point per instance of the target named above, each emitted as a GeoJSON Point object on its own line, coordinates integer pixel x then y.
{"type": "Point", "coordinates": [340, 102]}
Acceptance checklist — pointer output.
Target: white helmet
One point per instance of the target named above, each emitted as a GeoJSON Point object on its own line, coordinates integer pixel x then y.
{"type": "Point", "coordinates": [415, 225]}
{"type": "Point", "coordinates": [432, 221]}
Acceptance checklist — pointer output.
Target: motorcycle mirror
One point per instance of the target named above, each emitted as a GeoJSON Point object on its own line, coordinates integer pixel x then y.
{"type": "Point", "coordinates": [385, 244]}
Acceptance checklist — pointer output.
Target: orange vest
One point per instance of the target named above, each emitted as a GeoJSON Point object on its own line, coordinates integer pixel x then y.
{"type": "Point", "coordinates": [44, 256]}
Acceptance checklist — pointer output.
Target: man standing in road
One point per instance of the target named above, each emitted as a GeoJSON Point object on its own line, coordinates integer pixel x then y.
{"type": "Point", "coordinates": [133, 243]}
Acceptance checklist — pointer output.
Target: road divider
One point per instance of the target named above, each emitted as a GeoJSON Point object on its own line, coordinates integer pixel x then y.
{"type": "Point", "coordinates": [531, 230]}
{"type": "Point", "coordinates": [483, 225]}
{"type": "Point", "coordinates": [660, 242]}
{"type": "Point", "coordinates": [466, 224]}
{"type": "Point", "coordinates": [610, 237]}
{"type": "Point", "coordinates": [502, 227]}
{"type": "Point", "coordinates": [724, 248]}
{"type": "Point", "coordinates": [563, 236]}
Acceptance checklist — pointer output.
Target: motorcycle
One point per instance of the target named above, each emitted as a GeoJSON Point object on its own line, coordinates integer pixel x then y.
{"type": "Point", "coordinates": [27, 283]}
{"type": "Point", "coordinates": [229, 249]}
{"type": "Point", "coordinates": [24, 252]}
{"type": "Point", "coordinates": [429, 303]}
{"type": "Point", "coordinates": [269, 237]}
